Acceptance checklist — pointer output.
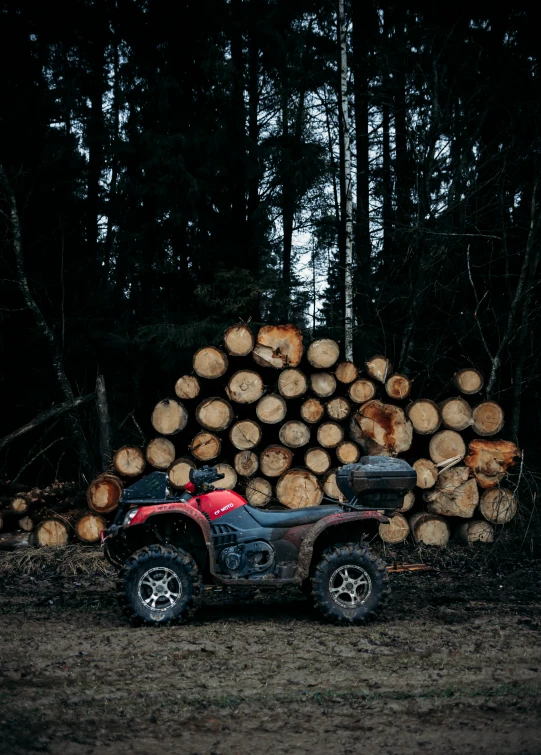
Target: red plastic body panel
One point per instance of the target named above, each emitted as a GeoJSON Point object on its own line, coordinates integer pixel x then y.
{"type": "Point", "coordinates": [145, 512]}
{"type": "Point", "coordinates": [214, 505]}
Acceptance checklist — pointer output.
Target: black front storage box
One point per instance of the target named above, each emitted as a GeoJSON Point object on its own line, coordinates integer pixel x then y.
{"type": "Point", "coordinates": [376, 482]}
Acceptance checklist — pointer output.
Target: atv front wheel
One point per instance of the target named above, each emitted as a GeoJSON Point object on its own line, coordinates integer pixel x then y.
{"type": "Point", "coordinates": [160, 585]}
{"type": "Point", "coordinates": [349, 584]}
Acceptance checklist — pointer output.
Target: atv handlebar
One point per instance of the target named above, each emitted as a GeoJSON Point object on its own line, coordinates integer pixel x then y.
{"type": "Point", "coordinates": [205, 476]}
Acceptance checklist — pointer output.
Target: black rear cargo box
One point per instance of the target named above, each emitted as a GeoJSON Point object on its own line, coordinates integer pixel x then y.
{"type": "Point", "coordinates": [377, 481]}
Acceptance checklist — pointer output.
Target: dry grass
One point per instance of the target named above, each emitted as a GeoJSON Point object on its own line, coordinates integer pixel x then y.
{"type": "Point", "coordinates": [71, 560]}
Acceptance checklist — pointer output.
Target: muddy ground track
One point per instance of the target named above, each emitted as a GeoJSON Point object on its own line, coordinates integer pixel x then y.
{"type": "Point", "coordinates": [453, 665]}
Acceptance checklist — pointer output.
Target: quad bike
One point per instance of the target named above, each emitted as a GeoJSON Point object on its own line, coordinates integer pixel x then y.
{"type": "Point", "coordinates": [167, 546]}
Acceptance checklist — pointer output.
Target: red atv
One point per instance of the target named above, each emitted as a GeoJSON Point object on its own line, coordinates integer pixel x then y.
{"type": "Point", "coordinates": [167, 546]}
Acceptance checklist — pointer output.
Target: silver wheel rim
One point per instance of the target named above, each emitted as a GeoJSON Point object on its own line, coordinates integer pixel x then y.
{"type": "Point", "coordinates": [350, 586]}
{"type": "Point", "coordinates": [159, 589]}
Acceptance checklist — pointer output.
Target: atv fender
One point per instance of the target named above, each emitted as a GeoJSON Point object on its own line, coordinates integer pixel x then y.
{"type": "Point", "coordinates": [307, 548]}
{"type": "Point", "coordinates": [146, 513]}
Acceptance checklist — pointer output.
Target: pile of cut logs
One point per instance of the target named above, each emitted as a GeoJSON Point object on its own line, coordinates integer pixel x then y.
{"type": "Point", "coordinates": [278, 420]}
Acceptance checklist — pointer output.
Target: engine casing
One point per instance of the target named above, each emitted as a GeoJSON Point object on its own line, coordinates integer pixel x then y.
{"type": "Point", "coordinates": [247, 559]}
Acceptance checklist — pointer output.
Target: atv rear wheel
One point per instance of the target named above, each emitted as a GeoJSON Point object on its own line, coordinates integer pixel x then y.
{"type": "Point", "coordinates": [349, 584]}
{"type": "Point", "coordinates": [160, 585]}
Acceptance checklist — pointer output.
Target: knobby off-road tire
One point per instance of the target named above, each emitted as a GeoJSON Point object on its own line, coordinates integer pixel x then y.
{"type": "Point", "coordinates": [159, 585]}
{"type": "Point", "coordinates": [349, 584]}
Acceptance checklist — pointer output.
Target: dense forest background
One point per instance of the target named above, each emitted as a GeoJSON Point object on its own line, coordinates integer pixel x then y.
{"type": "Point", "coordinates": [176, 167]}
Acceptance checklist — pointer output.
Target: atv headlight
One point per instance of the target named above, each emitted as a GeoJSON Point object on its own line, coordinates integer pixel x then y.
{"type": "Point", "coordinates": [129, 516]}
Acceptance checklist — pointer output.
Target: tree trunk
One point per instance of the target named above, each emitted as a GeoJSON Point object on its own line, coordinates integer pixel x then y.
{"type": "Point", "coordinates": [239, 340]}
{"type": "Point", "coordinates": [429, 529]}
{"type": "Point", "coordinates": [378, 368]}
{"type": "Point", "coordinates": [446, 445]}
{"type": "Point", "coordinates": [160, 452]}
{"type": "Point", "coordinates": [294, 434]}
{"type": "Point", "coordinates": [271, 409]}
{"type": "Point", "coordinates": [258, 491]}
{"type": "Point", "coordinates": [456, 414]}
{"type": "Point", "coordinates": [323, 353]}
{"type": "Point", "coordinates": [468, 380]}
{"type": "Point", "coordinates": [52, 533]}
{"type": "Point", "coordinates": [210, 362]}
{"type": "Point", "coordinates": [179, 473]}
{"type": "Point", "coordinates": [317, 460]}
{"type": "Point", "coordinates": [362, 391]}
{"type": "Point", "coordinates": [475, 532]}
{"type": "Point", "coordinates": [245, 387]}
{"type": "Point", "coordinates": [245, 434]}
{"type": "Point", "coordinates": [106, 446]}
{"type": "Point", "coordinates": [187, 387]}
{"type": "Point", "coordinates": [498, 505]}
{"type": "Point", "coordinates": [104, 493]}
{"type": "Point", "coordinates": [214, 414]}
{"type": "Point", "coordinates": [329, 434]}
{"type": "Point", "coordinates": [129, 461]}
{"type": "Point", "coordinates": [169, 417]}
{"type": "Point", "coordinates": [488, 418]}
{"type": "Point", "coordinates": [489, 460]}
{"type": "Point", "coordinates": [424, 415]}
{"type": "Point", "coordinates": [89, 527]}
{"type": "Point", "coordinates": [346, 372]}
{"type": "Point", "coordinates": [205, 446]}
{"type": "Point", "coordinates": [386, 425]}
{"type": "Point", "coordinates": [396, 531]}
{"type": "Point", "coordinates": [230, 479]}
{"type": "Point", "coordinates": [312, 410]}
{"type": "Point", "coordinates": [292, 384]}
{"type": "Point", "coordinates": [427, 473]}
{"type": "Point", "coordinates": [299, 488]}
{"type": "Point", "coordinates": [348, 452]}
{"type": "Point", "coordinates": [246, 463]}
{"type": "Point", "coordinates": [278, 346]}
{"type": "Point", "coordinates": [330, 486]}
{"type": "Point", "coordinates": [323, 384]}
{"type": "Point", "coordinates": [275, 460]}
{"type": "Point", "coordinates": [398, 387]}
{"type": "Point", "coordinates": [455, 493]}
{"type": "Point", "coordinates": [338, 409]}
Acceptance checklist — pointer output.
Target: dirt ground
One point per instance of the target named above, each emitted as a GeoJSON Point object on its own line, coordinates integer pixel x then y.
{"type": "Point", "coordinates": [452, 666]}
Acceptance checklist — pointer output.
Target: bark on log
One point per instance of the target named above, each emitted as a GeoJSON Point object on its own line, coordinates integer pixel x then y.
{"type": "Point", "coordinates": [205, 446]}
{"type": "Point", "coordinates": [26, 524]}
{"type": "Point", "coordinates": [323, 353]}
{"type": "Point", "coordinates": [477, 531]}
{"type": "Point", "coordinates": [398, 386]}
{"type": "Point", "coordinates": [323, 384]}
{"type": "Point", "coordinates": [230, 479]}
{"type": "Point", "coordinates": [427, 473]}
{"type": "Point", "coordinates": [456, 414]}
{"type": "Point", "coordinates": [51, 533]}
{"type": "Point", "coordinates": [210, 362]}
{"type": "Point", "coordinates": [129, 461]}
{"type": "Point", "coordinates": [292, 384]}
{"type": "Point", "coordinates": [409, 500]}
{"type": "Point", "coordinates": [278, 346]}
{"type": "Point", "coordinates": [299, 488]}
{"type": "Point", "coordinates": [455, 494]}
{"type": "Point", "coordinates": [245, 387]}
{"type": "Point", "coordinates": [179, 473]}
{"type": "Point", "coordinates": [245, 434]}
{"type": "Point", "coordinates": [489, 460]}
{"type": "Point", "coordinates": [104, 493]}
{"type": "Point", "coordinates": [88, 528]}
{"type": "Point", "coordinates": [12, 541]}
{"type": "Point", "coordinates": [338, 408]}
{"type": "Point", "coordinates": [104, 421]}
{"type": "Point", "coordinates": [498, 505]}
{"type": "Point", "coordinates": [468, 380]}
{"type": "Point", "coordinates": [317, 460]}
{"type": "Point", "coordinates": [214, 414]}
{"type": "Point", "coordinates": [429, 529]}
{"type": "Point", "coordinates": [362, 391]}
{"type": "Point", "coordinates": [488, 418]}
{"type": "Point", "coordinates": [346, 372]}
{"type": "Point", "coordinates": [385, 425]}
{"type": "Point", "coordinates": [294, 434]}
{"type": "Point", "coordinates": [258, 491]}
{"type": "Point", "coordinates": [379, 368]}
{"type": "Point", "coordinates": [446, 445]}
{"type": "Point", "coordinates": [20, 506]}
{"type": "Point", "coordinates": [239, 340]}
{"type": "Point", "coordinates": [330, 486]}
{"type": "Point", "coordinates": [187, 387]}
{"type": "Point", "coordinates": [396, 531]}
{"type": "Point", "coordinates": [424, 415]}
{"type": "Point", "coordinates": [169, 417]}
{"type": "Point", "coordinates": [329, 435]}
{"type": "Point", "coordinates": [246, 463]}
{"type": "Point", "coordinates": [348, 452]}
{"type": "Point", "coordinates": [160, 452]}
{"type": "Point", "coordinates": [275, 460]}
{"type": "Point", "coordinates": [312, 410]}
{"type": "Point", "coordinates": [271, 409]}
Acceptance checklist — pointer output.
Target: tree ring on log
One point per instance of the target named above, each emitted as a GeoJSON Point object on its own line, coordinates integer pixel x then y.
{"type": "Point", "coordinates": [271, 409]}
{"type": "Point", "coordinates": [187, 387]}
{"type": "Point", "coordinates": [323, 353]}
{"type": "Point", "coordinates": [323, 384]}
{"type": "Point", "coordinates": [160, 452]}
{"type": "Point", "coordinates": [239, 340]}
{"type": "Point", "coordinates": [468, 380]}
{"type": "Point", "coordinates": [299, 488]}
{"type": "Point", "coordinates": [312, 410]}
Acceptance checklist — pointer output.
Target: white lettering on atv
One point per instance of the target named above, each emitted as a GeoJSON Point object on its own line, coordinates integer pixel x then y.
{"type": "Point", "coordinates": [220, 511]}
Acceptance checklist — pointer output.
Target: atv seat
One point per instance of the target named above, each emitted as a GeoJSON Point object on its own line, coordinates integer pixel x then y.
{"type": "Point", "coordinates": [294, 518]}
